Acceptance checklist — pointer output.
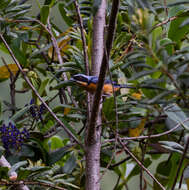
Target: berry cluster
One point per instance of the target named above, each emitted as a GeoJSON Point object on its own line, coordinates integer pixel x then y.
{"type": "Point", "coordinates": [36, 111]}
{"type": "Point", "coordinates": [11, 137]}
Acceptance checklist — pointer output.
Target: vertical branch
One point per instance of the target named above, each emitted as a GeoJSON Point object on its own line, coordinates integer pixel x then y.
{"type": "Point", "coordinates": [12, 87]}
{"type": "Point", "coordinates": [112, 25]}
{"type": "Point", "coordinates": [98, 38]}
{"type": "Point", "coordinates": [93, 136]}
{"type": "Point", "coordinates": [82, 30]}
{"type": "Point", "coordinates": [92, 140]}
{"type": "Point", "coordinates": [85, 54]}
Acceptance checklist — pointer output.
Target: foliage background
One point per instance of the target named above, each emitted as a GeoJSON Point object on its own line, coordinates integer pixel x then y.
{"type": "Point", "coordinates": [152, 58]}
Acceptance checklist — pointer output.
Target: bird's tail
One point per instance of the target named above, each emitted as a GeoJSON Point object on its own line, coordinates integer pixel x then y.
{"type": "Point", "coordinates": [126, 86]}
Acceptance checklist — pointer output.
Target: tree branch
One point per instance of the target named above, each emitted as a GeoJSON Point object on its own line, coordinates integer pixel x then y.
{"type": "Point", "coordinates": [140, 164]}
{"type": "Point", "coordinates": [9, 183]}
{"type": "Point", "coordinates": [147, 137]}
{"type": "Point", "coordinates": [85, 54]}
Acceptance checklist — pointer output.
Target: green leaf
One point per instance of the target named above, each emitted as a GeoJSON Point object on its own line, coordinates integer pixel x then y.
{"type": "Point", "coordinates": [160, 96]}
{"type": "Point", "coordinates": [63, 13]}
{"type": "Point", "coordinates": [174, 112]}
{"type": "Point", "coordinates": [176, 30]}
{"type": "Point", "coordinates": [142, 74]}
{"type": "Point", "coordinates": [49, 2]}
{"type": "Point", "coordinates": [24, 173]}
{"type": "Point", "coordinates": [18, 53]}
{"type": "Point", "coordinates": [44, 13]}
{"type": "Point", "coordinates": [39, 148]}
{"type": "Point", "coordinates": [186, 22]}
{"type": "Point", "coordinates": [173, 146]}
{"type": "Point", "coordinates": [18, 165]}
{"type": "Point", "coordinates": [70, 165]}
{"type": "Point", "coordinates": [19, 8]}
{"type": "Point", "coordinates": [164, 168]}
{"type": "Point", "coordinates": [108, 109]}
{"type": "Point", "coordinates": [56, 155]}
{"type": "Point", "coordinates": [4, 4]}
{"type": "Point", "coordinates": [20, 113]}
{"type": "Point", "coordinates": [69, 127]}
{"type": "Point", "coordinates": [4, 172]}
{"type": "Point", "coordinates": [55, 142]}
{"type": "Point", "coordinates": [38, 169]}
{"type": "Point", "coordinates": [67, 184]}
{"type": "Point", "coordinates": [167, 43]}
{"type": "Point", "coordinates": [63, 84]}
{"type": "Point", "coordinates": [162, 174]}
{"type": "Point", "coordinates": [43, 86]}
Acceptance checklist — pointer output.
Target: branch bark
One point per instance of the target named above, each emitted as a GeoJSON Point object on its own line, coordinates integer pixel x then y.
{"type": "Point", "coordinates": [100, 59]}
{"type": "Point", "coordinates": [92, 141]}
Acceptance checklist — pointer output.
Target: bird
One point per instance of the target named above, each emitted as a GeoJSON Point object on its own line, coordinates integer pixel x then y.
{"type": "Point", "coordinates": [89, 83]}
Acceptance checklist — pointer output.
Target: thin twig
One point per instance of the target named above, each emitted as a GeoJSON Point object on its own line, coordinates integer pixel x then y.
{"type": "Point", "coordinates": [121, 162]}
{"type": "Point", "coordinates": [165, 7]}
{"type": "Point", "coordinates": [112, 26]}
{"type": "Point", "coordinates": [82, 30]}
{"type": "Point", "coordinates": [147, 136]}
{"type": "Point", "coordinates": [8, 183]}
{"type": "Point", "coordinates": [164, 22]}
{"type": "Point", "coordinates": [85, 54]}
{"type": "Point", "coordinates": [117, 183]}
{"type": "Point", "coordinates": [70, 134]}
{"type": "Point", "coordinates": [180, 164]}
{"type": "Point", "coordinates": [57, 50]}
{"type": "Point", "coordinates": [140, 164]}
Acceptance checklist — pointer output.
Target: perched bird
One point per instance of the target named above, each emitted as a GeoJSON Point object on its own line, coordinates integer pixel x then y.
{"type": "Point", "coordinates": [89, 83]}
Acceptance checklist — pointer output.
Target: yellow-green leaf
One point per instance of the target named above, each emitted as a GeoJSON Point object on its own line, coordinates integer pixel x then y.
{"type": "Point", "coordinates": [135, 132]}
{"type": "Point", "coordinates": [5, 73]}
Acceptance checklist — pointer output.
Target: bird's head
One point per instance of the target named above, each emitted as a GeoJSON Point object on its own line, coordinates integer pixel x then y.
{"type": "Point", "coordinates": [81, 79]}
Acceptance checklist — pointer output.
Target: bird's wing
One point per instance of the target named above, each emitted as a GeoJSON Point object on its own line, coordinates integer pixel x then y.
{"type": "Point", "coordinates": [93, 79]}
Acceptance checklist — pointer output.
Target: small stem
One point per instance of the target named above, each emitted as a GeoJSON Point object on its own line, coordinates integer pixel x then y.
{"type": "Point", "coordinates": [140, 164]}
